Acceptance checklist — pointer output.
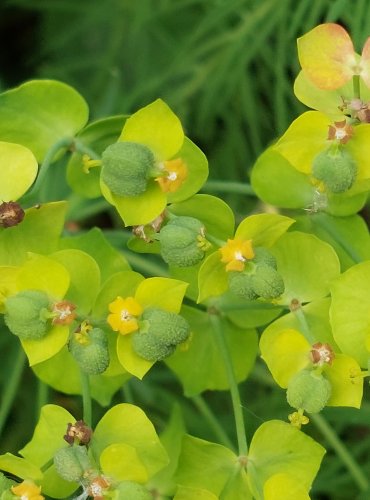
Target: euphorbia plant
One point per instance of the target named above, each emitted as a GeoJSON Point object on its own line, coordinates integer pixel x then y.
{"type": "Point", "coordinates": [88, 323]}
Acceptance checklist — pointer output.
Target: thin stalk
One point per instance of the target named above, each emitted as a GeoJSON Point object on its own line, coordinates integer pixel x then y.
{"type": "Point", "coordinates": [235, 396]}
{"type": "Point", "coordinates": [11, 387]}
{"type": "Point", "coordinates": [86, 398]}
{"type": "Point", "coordinates": [228, 187]}
{"type": "Point", "coordinates": [42, 395]}
{"type": "Point", "coordinates": [305, 329]}
{"type": "Point", "coordinates": [127, 393]}
{"type": "Point", "coordinates": [142, 264]}
{"type": "Point", "coordinates": [214, 424]}
{"type": "Point", "coordinates": [216, 241]}
{"type": "Point", "coordinates": [85, 150]}
{"type": "Point", "coordinates": [65, 142]}
{"type": "Point", "coordinates": [356, 87]}
{"type": "Point", "coordinates": [254, 306]}
{"type": "Point", "coordinates": [343, 453]}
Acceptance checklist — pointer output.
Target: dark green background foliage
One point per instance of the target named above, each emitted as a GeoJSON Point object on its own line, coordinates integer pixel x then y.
{"type": "Point", "coordinates": [226, 68]}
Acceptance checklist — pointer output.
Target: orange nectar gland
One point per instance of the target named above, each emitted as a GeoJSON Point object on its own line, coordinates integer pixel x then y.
{"type": "Point", "coordinates": [175, 172]}
{"type": "Point", "coordinates": [27, 491]}
{"type": "Point", "coordinates": [235, 253]}
{"type": "Point", "coordinates": [340, 131]}
{"type": "Point", "coordinates": [322, 354]}
{"type": "Point", "coordinates": [63, 313]}
{"type": "Point", "coordinates": [124, 314]}
{"type": "Point", "coordinates": [97, 488]}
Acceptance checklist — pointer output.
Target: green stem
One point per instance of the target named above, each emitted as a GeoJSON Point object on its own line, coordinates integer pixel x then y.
{"type": "Point", "coordinates": [235, 396]}
{"type": "Point", "coordinates": [65, 142]}
{"type": "Point", "coordinates": [11, 387]}
{"type": "Point", "coordinates": [252, 306]}
{"type": "Point", "coordinates": [353, 468]}
{"type": "Point", "coordinates": [216, 241]}
{"type": "Point", "coordinates": [305, 329]}
{"type": "Point", "coordinates": [333, 233]}
{"type": "Point", "coordinates": [214, 424]}
{"type": "Point", "coordinates": [86, 398]}
{"type": "Point", "coordinates": [356, 87]}
{"type": "Point", "coordinates": [85, 150]}
{"type": "Point", "coordinates": [228, 187]}
{"type": "Point", "coordinates": [127, 393]}
{"type": "Point", "coordinates": [42, 395]}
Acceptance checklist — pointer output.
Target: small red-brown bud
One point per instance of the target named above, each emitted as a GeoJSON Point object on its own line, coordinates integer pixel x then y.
{"type": "Point", "coordinates": [11, 214]}
{"type": "Point", "coordinates": [79, 432]}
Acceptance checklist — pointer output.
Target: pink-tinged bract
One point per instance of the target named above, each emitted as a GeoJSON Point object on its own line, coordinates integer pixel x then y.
{"type": "Point", "coordinates": [327, 56]}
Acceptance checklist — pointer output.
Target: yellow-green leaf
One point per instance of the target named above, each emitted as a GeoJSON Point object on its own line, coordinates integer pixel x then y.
{"type": "Point", "coordinates": [346, 382]}
{"type": "Point", "coordinates": [42, 273]}
{"type": "Point", "coordinates": [141, 209]}
{"type": "Point", "coordinates": [131, 362]}
{"type": "Point", "coordinates": [285, 352]}
{"type": "Point", "coordinates": [121, 462]}
{"type": "Point", "coordinates": [19, 467]}
{"type": "Point", "coordinates": [283, 486]}
{"type": "Point", "coordinates": [18, 170]}
{"type": "Point", "coordinates": [165, 293]}
{"type": "Point", "coordinates": [128, 424]}
{"type": "Point", "coordinates": [304, 139]}
{"type": "Point", "coordinates": [156, 126]}
{"type": "Point", "coordinates": [40, 350]}
{"type": "Point", "coordinates": [8, 280]}
{"type": "Point", "coordinates": [263, 229]}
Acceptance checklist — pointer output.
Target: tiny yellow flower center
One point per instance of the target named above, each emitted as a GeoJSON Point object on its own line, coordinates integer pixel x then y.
{"type": "Point", "coordinates": [235, 253]}
{"type": "Point", "coordinates": [27, 490]}
{"type": "Point", "coordinates": [297, 419]}
{"type": "Point", "coordinates": [175, 172]}
{"type": "Point", "coordinates": [124, 314]}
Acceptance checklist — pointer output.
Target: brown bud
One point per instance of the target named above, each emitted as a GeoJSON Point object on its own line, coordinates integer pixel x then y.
{"type": "Point", "coordinates": [79, 432]}
{"type": "Point", "coordinates": [147, 232]}
{"type": "Point", "coordinates": [11, 214]}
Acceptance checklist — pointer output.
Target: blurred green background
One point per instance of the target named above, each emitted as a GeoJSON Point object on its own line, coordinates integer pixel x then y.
{"type": "Point", "coordinates": [226, 67]}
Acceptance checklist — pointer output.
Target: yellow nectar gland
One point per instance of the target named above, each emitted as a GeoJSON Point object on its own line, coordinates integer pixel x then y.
{"type": "Point", "coordinates": [88, 164]}
{"type": "Point", "coordinates": [123, 315]}
{"type": "Point", "coordinates": [175, 173]}
{"type": "Point", "coordinates": [82, 334]}
{"type": "Point", "coordinates": [297, 419]}
{"type": "Point", "coordinates": [27, 491]}
{"type": "Point", "coordinates": [235, 253]}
